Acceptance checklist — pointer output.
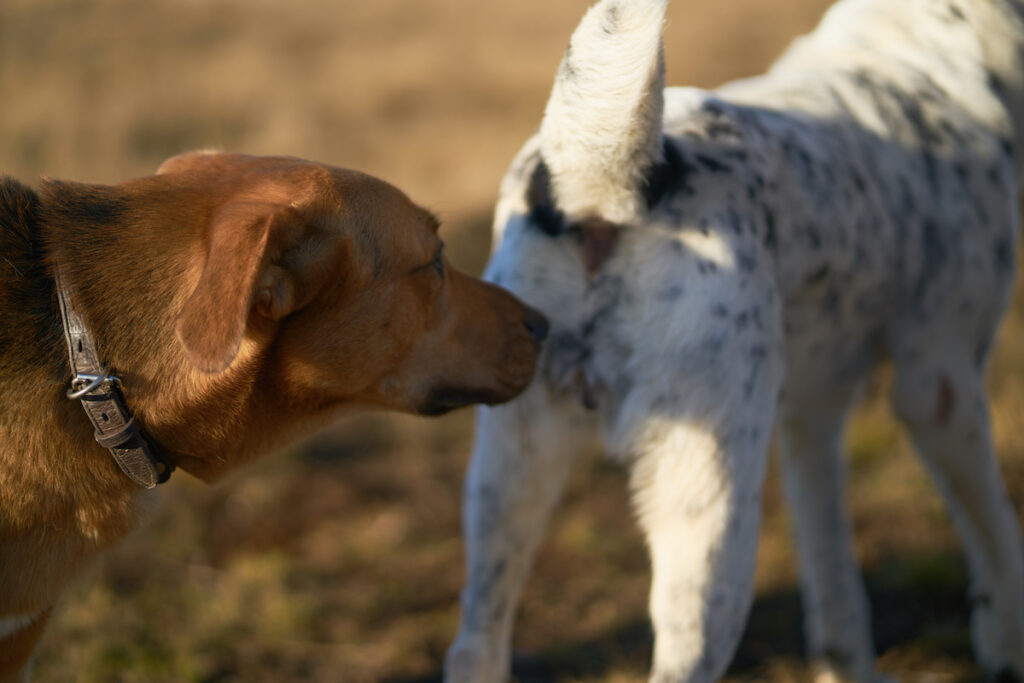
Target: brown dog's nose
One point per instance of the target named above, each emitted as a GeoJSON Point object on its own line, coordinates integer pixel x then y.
{"type": "Point", "coordinates": [536, 324]}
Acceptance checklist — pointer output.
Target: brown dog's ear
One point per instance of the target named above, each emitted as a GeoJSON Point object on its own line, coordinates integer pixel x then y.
{"type": "Point", "coordinates": [212, 323]}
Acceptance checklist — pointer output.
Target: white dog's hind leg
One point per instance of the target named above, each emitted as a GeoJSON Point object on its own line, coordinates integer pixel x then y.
{"type": "Point", "coordinates": [698, 497]}
{"type": "Point", "coordinates": [836, 612]}
{"type": "Point", "coordinates": [523, 456]}
{"type": "Point", "coordinates": [941, 397]}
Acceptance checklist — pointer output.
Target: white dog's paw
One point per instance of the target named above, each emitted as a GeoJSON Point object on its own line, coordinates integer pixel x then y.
{"type": "Point", "coordinates": [826, 672]}
{"type": "Point", "coordinates": [1000, 654]}
{"type": "Point", "coordinates": [1000, 669]}
{"type": "Point", "coordinates": [471, 663]}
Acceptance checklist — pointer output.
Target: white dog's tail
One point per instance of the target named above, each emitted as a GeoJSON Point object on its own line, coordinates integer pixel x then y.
{"type": "Point", "coordinates": [601, 133]}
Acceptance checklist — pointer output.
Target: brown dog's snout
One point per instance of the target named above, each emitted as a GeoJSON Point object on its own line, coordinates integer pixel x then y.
{"type": "Point", "coordinates": [536, 324]}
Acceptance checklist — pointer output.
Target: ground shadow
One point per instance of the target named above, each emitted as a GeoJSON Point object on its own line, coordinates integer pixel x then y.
{"type": "Point", "coordinates": [919, 609]}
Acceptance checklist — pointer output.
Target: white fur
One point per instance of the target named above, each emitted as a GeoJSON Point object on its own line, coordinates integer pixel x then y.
{"type": "Point", "coordinates": [858, 202]}
{"type": "Point", "coordinates": [597, 130]}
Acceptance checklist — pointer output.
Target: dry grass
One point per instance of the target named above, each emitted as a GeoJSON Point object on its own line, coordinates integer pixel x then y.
{"type": "Point", "coordinates": [341, 560]}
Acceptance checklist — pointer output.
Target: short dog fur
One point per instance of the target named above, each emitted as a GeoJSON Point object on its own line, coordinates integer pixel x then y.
{"type": "Point", "coordinates": [718, 264]}
{"type": "Point", "coordinates": [241, 301]}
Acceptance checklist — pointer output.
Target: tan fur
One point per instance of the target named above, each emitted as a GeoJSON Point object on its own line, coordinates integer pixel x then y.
{"type": "Point", "coordinates": [242, 301]}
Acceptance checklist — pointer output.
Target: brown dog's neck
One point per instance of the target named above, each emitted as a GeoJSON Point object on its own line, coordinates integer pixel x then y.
{"type": "Point", "coordinates": [34, 240]}
{"type": "Point", "coordinates": [52, 473]}
{"type": "Point", "coordinates": [90, 233]}
{"type": "Point", "coordinates": [33, 363]}
{"type": "Point", "coordinates": [131, 254]}
{"type": "Point", "coordinates": [126, 274]}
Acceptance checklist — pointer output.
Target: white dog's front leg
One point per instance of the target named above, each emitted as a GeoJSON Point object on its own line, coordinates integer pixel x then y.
{"type": "Point", "coordinates": [522, 458]}
{"type": "Point", "coordinates": [698, 494]}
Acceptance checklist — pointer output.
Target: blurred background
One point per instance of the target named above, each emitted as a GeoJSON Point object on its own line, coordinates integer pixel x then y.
{"type": "Point", "coordinates": [341, 560]}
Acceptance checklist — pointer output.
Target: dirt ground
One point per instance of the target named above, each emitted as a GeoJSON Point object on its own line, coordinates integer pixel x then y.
{"type": "Point", "coordinates": [341, 560]}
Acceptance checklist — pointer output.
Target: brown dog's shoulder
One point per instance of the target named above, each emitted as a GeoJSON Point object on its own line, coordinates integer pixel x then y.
{"type": "Point", "coordinates": [19, 234]}
{"type": "Point", "coordinates": [19, 205]}
{"type": "Point", "coordinates": [13, 190]}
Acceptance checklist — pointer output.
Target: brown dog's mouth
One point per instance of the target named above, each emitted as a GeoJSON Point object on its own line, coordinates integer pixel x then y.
{"type": "Point", "coordinates": [446, 399]}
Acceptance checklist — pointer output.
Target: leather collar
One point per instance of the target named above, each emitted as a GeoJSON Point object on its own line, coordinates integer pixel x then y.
{"type": "Point", "coordinates": [100, 393]}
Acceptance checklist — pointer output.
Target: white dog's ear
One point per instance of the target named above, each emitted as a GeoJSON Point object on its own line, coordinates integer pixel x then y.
{"type": "Point", "coordinates": [601, 133]}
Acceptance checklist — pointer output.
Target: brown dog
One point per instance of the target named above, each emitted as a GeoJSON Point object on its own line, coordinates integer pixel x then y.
{"type": "Point", "coordinates": [240, 301]}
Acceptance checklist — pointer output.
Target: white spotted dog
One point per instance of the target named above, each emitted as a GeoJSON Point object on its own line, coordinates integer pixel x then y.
{"type": "Point", "coordinates": [716, 263]}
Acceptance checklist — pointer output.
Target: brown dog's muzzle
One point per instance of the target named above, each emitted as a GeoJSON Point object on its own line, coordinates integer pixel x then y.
{"type": "Point", "coordinates": [500, 343]}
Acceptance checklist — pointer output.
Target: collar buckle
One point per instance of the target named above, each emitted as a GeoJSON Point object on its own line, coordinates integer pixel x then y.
{"type": "Point", "coordinates": [99, 391]}
{"type": "Point", "coordinates": [85, 383]}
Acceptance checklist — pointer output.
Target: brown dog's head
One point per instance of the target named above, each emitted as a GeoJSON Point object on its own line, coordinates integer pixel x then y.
{"type": "Point", "coordinates": [296, 289]}
{"type": "Point", "coordinates": [352, 278]}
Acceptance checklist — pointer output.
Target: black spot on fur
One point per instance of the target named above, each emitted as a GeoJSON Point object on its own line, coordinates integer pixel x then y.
{"type": "Point", "coordinates": [705, 267]}
{"type": "Point", "coordinates": [769, 229]}
{"type": "Point", "coordinates": [712, 107]}
{"type": "Point", "coordinates": [670, 293]}
{"type": "Point", "coordinates": [567, 71]}
{"type": "Point", "coordinates": [1003, 254]}
{"type": "Point", "coordinates": [934, 256]}
{"type": "Point", "coordinates": [799, 158]}
{"type": "Point", "coordinates": [813, 236]}
{"type": "Point", "coordinates": [981, 351]}
{"type": "Point", "coordinates": [741, 321]}
{"type": "Point", "coordinates": [755, 318]}
{"type": "Point", "coordinates": [963, 173]}
{"type": "Point", "coordinates": [733, 219]}
{"type": "Point", "coordinates": [818, 275]}
{"type": "Point", "coordinates": [757, 355]}
{"type": "Point", "coordinates": [745, 262]}
{"type": "Point", "coordinates": [671, 175]}
{"type": "Point", "coordinates": [931, 170]}
{"type": "Point", "coordinates": [995, 83]}
{"type": "Point", "coordinates": [858, 181]}
{"type": "Point", "coordinates": [617, 299]}
{"type": "Point", "coordinates": [712, 164]}
{"type": "Point", "coordinates": [543, 213]}
{"type": "Point", "coordinates": [907, 202]}
{"type": "Point", "coordinates": [1006, 144]}
{"type": "Point", "coordinates": [711, 345]}
{"type": "Point", "coordinates": [612, 19]}
{"type": "Point", "coordinates": [720, 128]}
{"type": "Point", "coordinates": [910, 106]}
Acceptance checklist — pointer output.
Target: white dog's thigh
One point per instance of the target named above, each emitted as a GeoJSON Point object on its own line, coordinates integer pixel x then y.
{"type": "Point", "coordinates": [522, 458]}
{"type": "Point", "coordinates": [701, 517]}
{"type": "Point", "coordinates": [697, 476]}
{"type": "Point", "coordinates": [940, 395]}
